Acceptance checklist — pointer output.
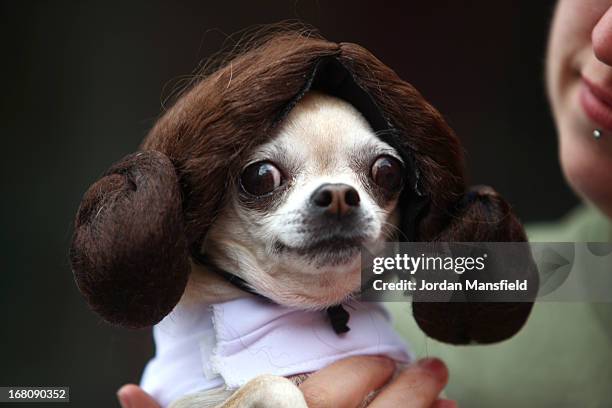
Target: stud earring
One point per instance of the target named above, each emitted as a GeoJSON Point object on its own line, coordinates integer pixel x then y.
{"type": "Point", "coordinates": [597, 134]}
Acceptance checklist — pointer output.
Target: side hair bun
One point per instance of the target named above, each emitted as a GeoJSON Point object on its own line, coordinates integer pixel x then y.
{"type": "Point", "coordinates": [482, 215]}
{"type": "Point", "coordinates": [129, 252]}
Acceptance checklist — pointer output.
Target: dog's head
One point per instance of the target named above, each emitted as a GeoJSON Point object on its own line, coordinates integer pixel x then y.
{"type": "Point", "coordinates": [278, 167]}
{"type": "Point", "coordinates": [304, 204]}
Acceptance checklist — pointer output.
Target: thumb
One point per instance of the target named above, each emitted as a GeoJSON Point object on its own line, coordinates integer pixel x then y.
{"type": "Point", "coordinates": [132, 396]}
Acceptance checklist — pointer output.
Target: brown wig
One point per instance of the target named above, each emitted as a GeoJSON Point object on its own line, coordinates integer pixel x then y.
{"type": "Point", "coordinates": [136, 225]}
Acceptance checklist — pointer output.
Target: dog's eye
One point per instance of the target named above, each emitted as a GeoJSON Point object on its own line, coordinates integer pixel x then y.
{"type": "Point", "coordinates": [261, 178]}
{"type": "Point", "coordinates": [387, 173]}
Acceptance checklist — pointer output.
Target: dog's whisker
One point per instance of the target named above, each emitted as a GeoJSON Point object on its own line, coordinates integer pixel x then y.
{"type": "Point", "coordinates": [389, 227]}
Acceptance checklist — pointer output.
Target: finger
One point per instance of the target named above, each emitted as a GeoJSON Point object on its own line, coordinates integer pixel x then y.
{"type": "Point", "coordinates": [347, 382]}
{"type": "Point", "coordinates": [132, 396]}
{"type": "Point", "coordinates": [418, 386]}
{"type": "Point", "coordinates": [444, 403]}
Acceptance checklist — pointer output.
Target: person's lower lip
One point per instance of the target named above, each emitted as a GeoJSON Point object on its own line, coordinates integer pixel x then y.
{"type": "Point", "coordinates": [595, 108]}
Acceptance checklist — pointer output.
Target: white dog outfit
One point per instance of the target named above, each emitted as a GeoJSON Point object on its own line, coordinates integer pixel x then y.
{"type": "Point", "coordinates": [200, 347]}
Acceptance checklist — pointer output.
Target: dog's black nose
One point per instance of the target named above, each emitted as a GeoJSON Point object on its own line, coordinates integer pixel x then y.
{"type": "Point", "coordinates": [338, 199]}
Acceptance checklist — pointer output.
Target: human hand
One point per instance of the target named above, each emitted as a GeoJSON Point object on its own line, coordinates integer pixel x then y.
{"type": "Point", "coordinates": [347, 382]}
{"type": "Point", "coordinates": [132, 396]}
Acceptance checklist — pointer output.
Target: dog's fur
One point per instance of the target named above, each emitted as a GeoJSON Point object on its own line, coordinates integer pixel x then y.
{"type": "Point", "coordinates": [323, 140]}
{"type": "Point", "coordinates": [138, 225]}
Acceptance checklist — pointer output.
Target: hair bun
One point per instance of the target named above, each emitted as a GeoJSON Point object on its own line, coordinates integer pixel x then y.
{"type": "Point", "coordinates": [129, 252]}
{"type": "Point", "coordinates": [481, 215]}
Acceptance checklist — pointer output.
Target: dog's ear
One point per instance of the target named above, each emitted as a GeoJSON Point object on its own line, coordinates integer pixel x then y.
{"type": "Point", "coordinates": [129, 251]}
{"type": "Point", "coordinates": [481, 216]}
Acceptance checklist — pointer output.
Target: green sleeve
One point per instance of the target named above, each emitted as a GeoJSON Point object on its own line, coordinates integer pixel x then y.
{"type": "Point", "coordinates": [561, 358]}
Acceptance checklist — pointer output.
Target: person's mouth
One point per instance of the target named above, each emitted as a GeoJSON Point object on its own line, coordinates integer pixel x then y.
{"type": "Point", "coordinates": [596, 102]}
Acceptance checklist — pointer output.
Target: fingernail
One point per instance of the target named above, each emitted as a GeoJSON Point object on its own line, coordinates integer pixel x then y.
{"type": "Point", "coordinates": [435, 366]}
{"type": "Point", "coordinates": [123, 400]}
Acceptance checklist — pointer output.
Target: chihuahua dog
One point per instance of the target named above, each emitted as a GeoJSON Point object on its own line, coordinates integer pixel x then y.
{"type": "Point", "coordinates": [236, 229]}
{"type": "Point", "coordinates": [304, 205]}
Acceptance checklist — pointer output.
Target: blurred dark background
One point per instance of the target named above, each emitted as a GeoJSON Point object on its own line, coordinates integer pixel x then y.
{"type": "Point", "coordinates": [82, 82]}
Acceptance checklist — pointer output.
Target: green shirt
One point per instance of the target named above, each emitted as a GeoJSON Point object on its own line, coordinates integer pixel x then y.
{"type": "Point", "coordinates": [561, 358]}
